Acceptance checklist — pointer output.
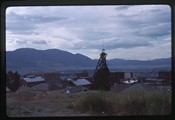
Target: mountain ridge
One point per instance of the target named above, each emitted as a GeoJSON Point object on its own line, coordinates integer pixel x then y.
{"type": "Point", "coordinates": [55, 59]}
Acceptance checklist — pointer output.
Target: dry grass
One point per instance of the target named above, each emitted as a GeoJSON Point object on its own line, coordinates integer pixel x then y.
{"type": "Point", "coordinates": [90, 103]}
{"type": "Point", "coordinates": [40, 103]}
{"type": "Point", "coordinates": [118, 104]}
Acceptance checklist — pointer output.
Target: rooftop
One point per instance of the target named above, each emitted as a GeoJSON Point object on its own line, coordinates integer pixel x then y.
{"type": "Point", "coordinates": [80, 82]}
{"type": "Point", "coordinates": [33, 79]}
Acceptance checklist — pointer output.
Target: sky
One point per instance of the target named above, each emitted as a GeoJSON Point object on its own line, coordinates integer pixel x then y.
{"type": "Point", "coordinates": [131, 32]}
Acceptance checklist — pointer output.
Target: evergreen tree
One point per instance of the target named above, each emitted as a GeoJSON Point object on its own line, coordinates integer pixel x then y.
{"type": "Point", "coordinates": [13, 81]}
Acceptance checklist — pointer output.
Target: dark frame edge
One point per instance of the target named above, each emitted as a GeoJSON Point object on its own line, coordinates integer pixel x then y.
{"type": "Point", "coordinates": [8, 3]}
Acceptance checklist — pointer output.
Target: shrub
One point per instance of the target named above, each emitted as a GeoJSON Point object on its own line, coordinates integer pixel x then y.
{"type": "Point", "coordinates": [132, 103]}
{"type": "Point", "coordinates": [158, 103]}
{"type": "Point", "coordinates": [135, 103]}
{"type": "Point", "coordinates": [13, 81]}
{"type": "Point", "coordinates": [95, 102]}
{"type": "Point", "coordinates": [144, 103]}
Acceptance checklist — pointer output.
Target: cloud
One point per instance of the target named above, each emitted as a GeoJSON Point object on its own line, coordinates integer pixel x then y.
{"type": "Point", "coordinates": [109, 43]}
{"type": "Point", "coordinates": [84, 29]}
{"type": "Point", "coordinates": [156, 30]}
{"type": "Point", "coordinates": [26, 24]}
{"type": "Point", "coordinates": [141, 53]}
{"type": "Point", "coordinates": [39, 42]}
{"type": "Point", "coordinates": [124, 7]}
{"type": "Point", "coordinates": [20, 42]}
{"type": "Point", "coordinates": [146, 20]}
{"type": "Point", "coordinates": [18, 24]}
{"type": "Point", "coordinates": [92, 35]}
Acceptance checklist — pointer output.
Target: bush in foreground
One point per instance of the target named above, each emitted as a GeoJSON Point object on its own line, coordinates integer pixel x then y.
{"type": "Point", "coordinates": [96, 103]}
{"type": "Point", "coordinates": [117, 104]}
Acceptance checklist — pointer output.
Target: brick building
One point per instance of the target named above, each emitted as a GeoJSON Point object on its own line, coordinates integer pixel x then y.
{"type": "Point", "coordinates": [165, 75]}
{"type": "Point", "coordinates": [116, 77]}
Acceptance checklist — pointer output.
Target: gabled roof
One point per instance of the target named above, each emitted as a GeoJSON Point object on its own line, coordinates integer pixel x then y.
{"type": "Point", "coordinates": [80, 82]}
{"type": "Point", "coordinates": [33, 79]}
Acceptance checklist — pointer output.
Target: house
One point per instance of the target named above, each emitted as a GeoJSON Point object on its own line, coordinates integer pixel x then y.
{"type": "Point", "coordinates": [53, 80]}
{"type": "Point", "coordinates": [39, 87]}
{"type": "Point", "coordinates": [165, 75]}
{"type": "Point", "coordinates": [153, 81]}
{"type": "Point", "coordinates": [42, 86]}
{"type": "Point", "coordinates": [130, 81]}
{"type": "Point", "coordinates": [78, 85]}
{"type": "Point", "coordinates": [81, 82]}
{"type": "Point", "coordinates": [32, 80]}
{"type": "Point", "coordinates": [117, 77]}
{"type": "Point", "coordinates": [24, 83]}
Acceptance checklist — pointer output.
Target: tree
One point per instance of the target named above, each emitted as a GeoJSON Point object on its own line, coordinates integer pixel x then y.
{"type": "Point", "coordinates": [13, 81]}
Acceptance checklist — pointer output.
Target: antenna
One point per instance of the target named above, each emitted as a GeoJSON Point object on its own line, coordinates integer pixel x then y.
{"type": "Point", "coordinates": [103, 43]}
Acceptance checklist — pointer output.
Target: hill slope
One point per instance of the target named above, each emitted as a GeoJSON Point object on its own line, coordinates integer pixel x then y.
{"type": "Point", "coordinates": [55, 59]}
{"type": "Point", "coordinates": [46, 59]}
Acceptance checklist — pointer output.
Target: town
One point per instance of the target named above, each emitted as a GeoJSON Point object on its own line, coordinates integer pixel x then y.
{"type": "Point", "coordinates": [73, 81]}
{"type": "Point", "coordinates": [84, 92]}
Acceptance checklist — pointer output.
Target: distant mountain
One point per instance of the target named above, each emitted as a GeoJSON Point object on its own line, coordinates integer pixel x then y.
{"type": "Point", "coordinates": [163, 64]}
{"type": "Point", "coordinates": [140, 62]}
{"type": "Point", "coordinates": [27, 59]}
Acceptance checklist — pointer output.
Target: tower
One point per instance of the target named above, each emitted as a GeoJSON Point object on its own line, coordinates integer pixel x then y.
{"type": "Point", "coordinates": [101, 73]}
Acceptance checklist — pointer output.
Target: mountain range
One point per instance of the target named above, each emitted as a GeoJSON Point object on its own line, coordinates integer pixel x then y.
{"type": "Point", "coordinates": [55, 59]}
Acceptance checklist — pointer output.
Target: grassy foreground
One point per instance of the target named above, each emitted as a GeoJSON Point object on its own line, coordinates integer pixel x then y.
{"type": "Point", "coordinates": [124, 104]}
{"type": "Point", "coordinates": [90, 103]}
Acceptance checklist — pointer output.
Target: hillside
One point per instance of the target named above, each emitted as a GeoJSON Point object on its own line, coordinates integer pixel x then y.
{"type": "Point", "coordinates": [51, 59]}
{"type": "Point", "coordinates": [55, 59]}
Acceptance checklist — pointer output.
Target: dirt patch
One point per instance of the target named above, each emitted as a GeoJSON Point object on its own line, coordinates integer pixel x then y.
{"type": "Point", "coordinates": [41, 103]}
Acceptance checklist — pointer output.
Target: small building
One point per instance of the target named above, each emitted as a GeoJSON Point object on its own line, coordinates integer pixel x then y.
{"type": "Point", "coordinates": [130, 81]}
{"type": "Point", "coordinates": [81, 82]}
{"type": "Point", "coordinates": [52, 76]}
{"type": "Point", "coordinates": [32, 80]}
{"type": "Point", "coordinates": [165, 75]}
{"type": "Point", "coordinates": [24, 83]}
{"type": "Point", "coordinates": [53, 80]}
{"type": "Point", "coordinates": [117, 77]}
{"type": "Point", "coordinates": [83, 74]}
{"type": "Point", "coordinates": [78, 85]}
{"type": "Point", "coordinates": [39, 87]}
{"type": "Point", "coordinates": [153, 81]}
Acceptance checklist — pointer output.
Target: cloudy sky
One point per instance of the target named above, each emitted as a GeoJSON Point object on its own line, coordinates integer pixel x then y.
{"type": "Point", "coordinates": [140, 32]}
